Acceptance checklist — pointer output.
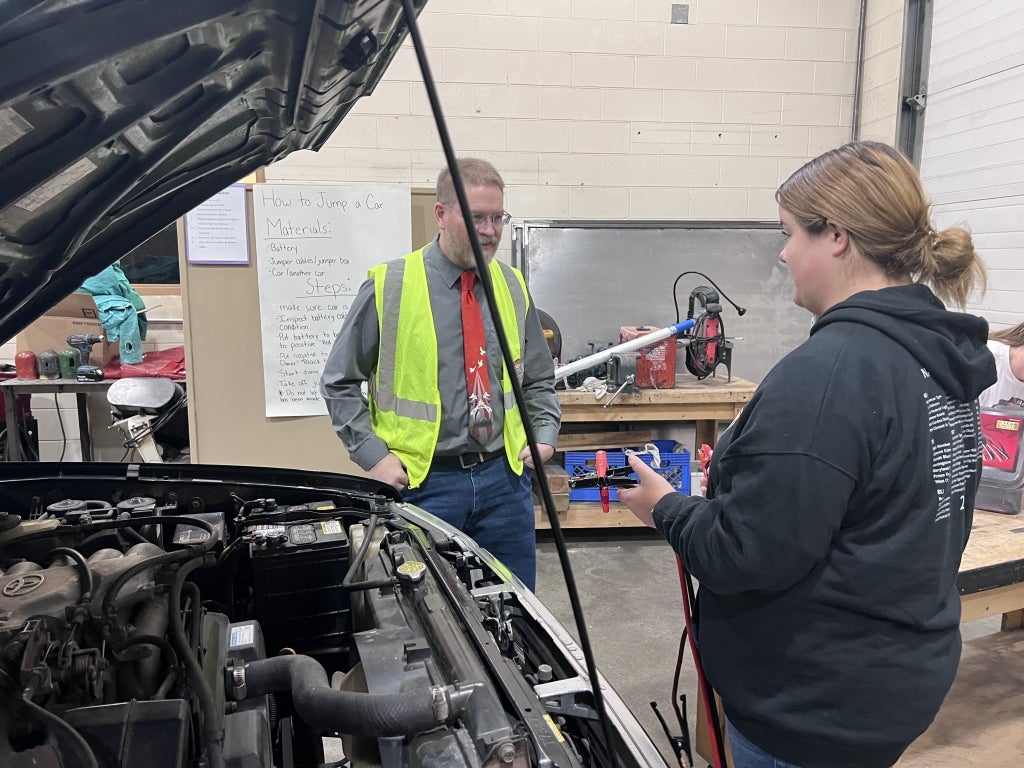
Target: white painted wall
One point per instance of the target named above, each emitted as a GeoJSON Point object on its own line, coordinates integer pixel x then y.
{"type": "Point", "coordinates": [973, 158]}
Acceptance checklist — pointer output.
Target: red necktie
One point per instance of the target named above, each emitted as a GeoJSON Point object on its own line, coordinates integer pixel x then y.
{"type": "Point", "coordinates": [478, 384]}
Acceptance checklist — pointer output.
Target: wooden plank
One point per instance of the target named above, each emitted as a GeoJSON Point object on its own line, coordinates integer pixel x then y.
{"type": "Point", "coordinates": [990, 602]}
{"type": "Point", "coordinates": [592, 441]}
{"type": "Point", "coordinates": [588, 514]}
{"type": "Point", "coordinates": [702, 737]}
{"type": "Point", "coordinates": [995, 539]}
{"type": "Point", "coordinates": [623, 412]}
{"type": "Point", "coordinates": [1013, 620]}
{"type": "Point", "coordinates": [557, 477]}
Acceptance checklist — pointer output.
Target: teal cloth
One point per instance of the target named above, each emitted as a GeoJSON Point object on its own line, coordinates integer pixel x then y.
{"type": "Point", "coordinates": [119, 305]}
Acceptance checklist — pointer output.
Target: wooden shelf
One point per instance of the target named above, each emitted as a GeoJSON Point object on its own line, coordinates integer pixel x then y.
{"type": "Point", "coordinates": [702, 403]}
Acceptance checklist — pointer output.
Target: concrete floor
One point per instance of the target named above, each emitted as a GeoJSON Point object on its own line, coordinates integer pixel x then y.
{"type": "Point", "coordinates": [629, 590]}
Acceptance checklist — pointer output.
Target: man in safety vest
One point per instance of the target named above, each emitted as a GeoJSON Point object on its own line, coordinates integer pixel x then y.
{"type": "Point", "coordinates": [441, 423]}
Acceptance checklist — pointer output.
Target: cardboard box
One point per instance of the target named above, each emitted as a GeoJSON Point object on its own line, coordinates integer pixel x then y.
{"type": "Point", "coordinates": [75, 314]}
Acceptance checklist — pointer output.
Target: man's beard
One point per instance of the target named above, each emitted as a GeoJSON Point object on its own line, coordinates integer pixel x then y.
{"type": "Point", "coordinates": [464, 258]}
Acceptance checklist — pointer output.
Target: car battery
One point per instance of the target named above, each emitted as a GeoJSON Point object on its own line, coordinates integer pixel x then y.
{"type": "Point", "coordinates": [656, 364]}
{"type": "Point", "coordinates": [1002, 473]}
{"type": "Point", "coordinates": [297, 569]}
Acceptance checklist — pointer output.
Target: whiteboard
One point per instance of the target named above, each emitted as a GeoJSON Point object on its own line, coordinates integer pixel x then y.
{"type": "Point", "coordinates": [593, 277]}
{"type": "Point", "coordinates": [314, 245]}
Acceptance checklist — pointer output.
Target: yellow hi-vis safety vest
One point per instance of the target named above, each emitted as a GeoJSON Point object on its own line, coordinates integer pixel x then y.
{"type": "Point", "coordinates": [405, 403]}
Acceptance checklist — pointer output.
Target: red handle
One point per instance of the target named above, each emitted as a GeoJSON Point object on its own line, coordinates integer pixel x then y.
{"type": "Point", "coordinates": [601, 469]}
{"type": "Point", "coordinates": [704, 452]}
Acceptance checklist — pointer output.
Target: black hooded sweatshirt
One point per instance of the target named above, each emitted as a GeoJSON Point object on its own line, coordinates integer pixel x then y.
{"type": "Point", "coordinates": [828, 612]}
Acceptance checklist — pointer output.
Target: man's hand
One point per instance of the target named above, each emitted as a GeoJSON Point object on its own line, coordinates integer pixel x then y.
{"type": "Point", "coordinates": [546, 452]}
{"type": "Point", "coordinates": [389, 470]}
{"type": "Point", "coordinates": [641, 498]}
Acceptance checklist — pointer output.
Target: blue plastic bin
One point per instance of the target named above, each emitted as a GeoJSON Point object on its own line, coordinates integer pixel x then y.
{"type": "Point", "coordinates": [675, 467]}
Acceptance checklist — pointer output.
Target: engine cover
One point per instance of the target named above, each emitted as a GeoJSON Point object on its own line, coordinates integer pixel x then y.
{"type": "Point", "coordinates": [27, 589]}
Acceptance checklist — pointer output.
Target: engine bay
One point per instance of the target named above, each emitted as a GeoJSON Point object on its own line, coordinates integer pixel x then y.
{"type": "Point", "coordinates": [187, 620]}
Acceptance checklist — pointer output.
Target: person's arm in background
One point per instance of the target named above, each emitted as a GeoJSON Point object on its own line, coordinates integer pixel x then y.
{"type": "Point", "coordinates": [351, 363]}
{"type": "Point", "coordinates": [538, 386]}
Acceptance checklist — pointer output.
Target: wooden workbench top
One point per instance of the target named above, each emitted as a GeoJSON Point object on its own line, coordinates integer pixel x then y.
{"type": "Point", "coordinates": [687, 391]}
{"type": "Point", "coordinates": [714, 398]}
{"type": "Point", "coordinates": [994, 556]}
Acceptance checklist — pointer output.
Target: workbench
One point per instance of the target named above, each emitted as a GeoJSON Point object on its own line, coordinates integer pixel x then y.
{"type": "Point", "coordinates": [991, 579]}
{"type": "Point", "coordinates": [704, 404]}
{"type": "Point", "coordinates": [81, 389]}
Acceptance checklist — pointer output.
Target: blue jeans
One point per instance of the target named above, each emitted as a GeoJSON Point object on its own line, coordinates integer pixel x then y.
{"type": "Point", "coordinates": [491, 504]}
{"type": "Point", "coordinates": [747, 755]}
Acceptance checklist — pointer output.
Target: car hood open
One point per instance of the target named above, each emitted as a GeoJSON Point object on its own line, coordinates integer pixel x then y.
{"type": "Point", "coordinates": [117, 117]}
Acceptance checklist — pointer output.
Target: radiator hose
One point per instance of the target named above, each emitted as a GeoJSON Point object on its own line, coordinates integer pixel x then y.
{"type": "Point", "coordinates": [330, 711]}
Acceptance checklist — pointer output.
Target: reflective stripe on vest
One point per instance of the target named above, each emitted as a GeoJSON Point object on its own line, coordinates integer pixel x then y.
{"type": "Point", "coordinates": [385, 395]}
{"type": "Point", "coordinates": [415, 440]}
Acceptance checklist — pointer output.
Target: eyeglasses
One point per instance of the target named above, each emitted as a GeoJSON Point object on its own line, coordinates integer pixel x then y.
{"type": "Point", "coordinates": [497, 220]}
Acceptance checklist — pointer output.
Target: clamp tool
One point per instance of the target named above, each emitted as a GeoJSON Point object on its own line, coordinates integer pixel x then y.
{"type": "Point", "coordinates": [604, 478]}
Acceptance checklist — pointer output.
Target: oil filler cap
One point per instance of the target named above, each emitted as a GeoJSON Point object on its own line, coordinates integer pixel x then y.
{"type": "Point", "coordinates": [8, 521]}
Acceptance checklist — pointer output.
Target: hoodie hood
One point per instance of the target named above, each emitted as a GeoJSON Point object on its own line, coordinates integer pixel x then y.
{"type": "Point", "coordinates": [951, 346]}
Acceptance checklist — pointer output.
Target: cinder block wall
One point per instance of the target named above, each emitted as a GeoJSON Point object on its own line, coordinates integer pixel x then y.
{"type": "Point", "coordinates": [604, 109]}
{"type": "Point", "coordinates": [880, 84]}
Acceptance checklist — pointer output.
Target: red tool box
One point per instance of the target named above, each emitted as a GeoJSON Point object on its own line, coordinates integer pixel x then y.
{"type": "Point", "coordinates": [656, 364]}
{"type": "Point", "coordinates": [1002, 455]}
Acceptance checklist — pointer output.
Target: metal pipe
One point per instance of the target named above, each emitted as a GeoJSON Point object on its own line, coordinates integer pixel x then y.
{"type": "Point", "coordinates": [859, 74]}
{"type": "Point", "coordinates": [627, 346]}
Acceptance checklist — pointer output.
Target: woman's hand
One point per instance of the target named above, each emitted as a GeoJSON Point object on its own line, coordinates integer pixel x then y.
{"type": "Point", "coordinates": [641, 498]}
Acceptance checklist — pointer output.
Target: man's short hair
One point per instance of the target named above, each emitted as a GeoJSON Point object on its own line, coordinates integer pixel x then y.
{"type": "Point", "coordinates": [474, 172]}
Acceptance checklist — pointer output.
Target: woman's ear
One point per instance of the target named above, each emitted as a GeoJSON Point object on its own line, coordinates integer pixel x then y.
{"type": "Point", "coordinates": [839, 237]}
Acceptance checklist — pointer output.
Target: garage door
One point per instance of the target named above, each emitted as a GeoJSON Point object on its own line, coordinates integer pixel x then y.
{"type": "Point", "coordinates": [972, 158]}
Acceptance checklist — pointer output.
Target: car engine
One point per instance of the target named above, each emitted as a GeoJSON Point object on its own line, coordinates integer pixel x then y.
{"type": "Point", "coordinates": [205, 621]}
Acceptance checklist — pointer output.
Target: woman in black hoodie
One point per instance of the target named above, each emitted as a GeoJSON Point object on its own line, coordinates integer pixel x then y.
{"type": "Point", "coordinates": [840, 500]}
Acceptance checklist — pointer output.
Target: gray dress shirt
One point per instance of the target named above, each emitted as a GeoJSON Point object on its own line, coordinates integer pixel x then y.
{"type": "Point", "coordinates": [353, 359]}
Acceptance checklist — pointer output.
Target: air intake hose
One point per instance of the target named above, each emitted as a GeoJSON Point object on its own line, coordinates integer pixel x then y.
{"type": "Point", "coordinates": [323, 708]}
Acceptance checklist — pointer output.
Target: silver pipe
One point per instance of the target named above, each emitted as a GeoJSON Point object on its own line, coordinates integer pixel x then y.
{"type": "Point", "coordinates": [627, 346]}
{"type": "Point", "coordinates": [859, 73]}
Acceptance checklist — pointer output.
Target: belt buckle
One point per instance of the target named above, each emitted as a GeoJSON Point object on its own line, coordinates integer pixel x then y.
{"type": "Point", "coordinates": [473, 458]}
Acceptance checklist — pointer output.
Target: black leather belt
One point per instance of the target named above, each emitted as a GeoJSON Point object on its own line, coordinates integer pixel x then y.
{"type": "Point", "coordinates": [465, 460]}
